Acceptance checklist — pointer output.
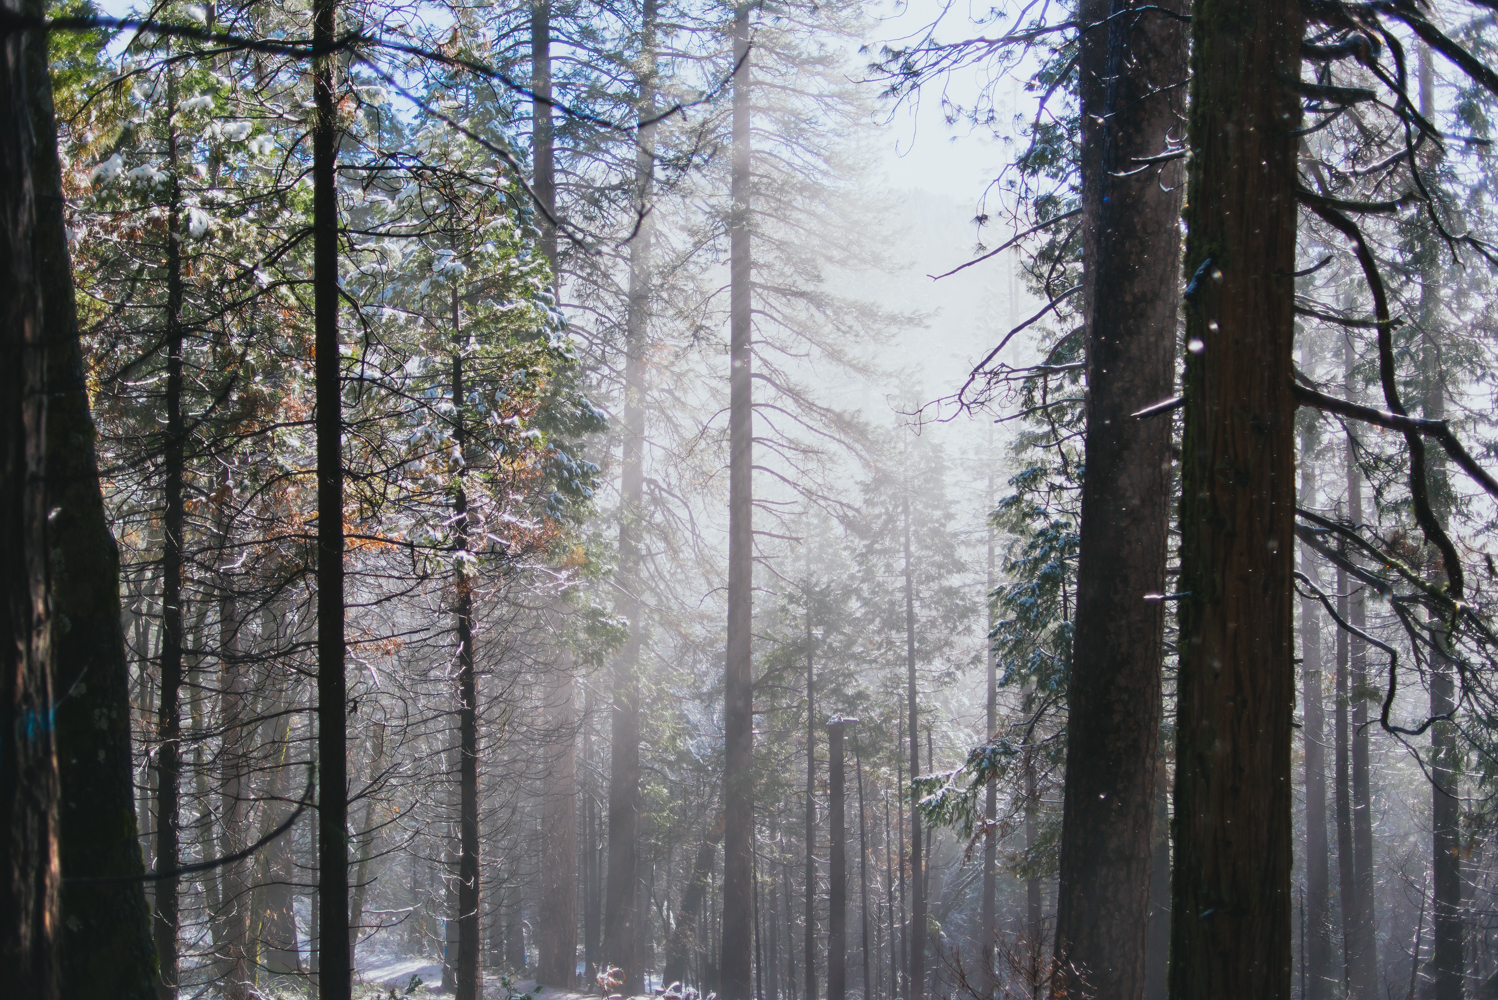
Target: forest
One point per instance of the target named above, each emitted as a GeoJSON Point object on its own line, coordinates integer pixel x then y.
{"type": "Point", "coordinates": [749, 499]}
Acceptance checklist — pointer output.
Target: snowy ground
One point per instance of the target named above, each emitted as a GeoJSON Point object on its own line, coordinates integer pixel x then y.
{"type": "Point", "coordinates": [389, 973]}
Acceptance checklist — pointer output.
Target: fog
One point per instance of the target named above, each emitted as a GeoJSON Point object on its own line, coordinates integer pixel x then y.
{"type": "Point", "coordinates": [780, 501]}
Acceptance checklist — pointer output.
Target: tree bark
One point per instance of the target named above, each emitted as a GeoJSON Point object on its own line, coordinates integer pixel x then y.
{"type": "Point", "coordinates": [988, 919]}
{"type": "Point", "coordinates": [1447, 962]}
{"type": "Point", "coordinates": [916, 936]}
{"type": "Point", "coordinates": [1318, 947]}
{"type": "Point", "coordinates": [469, 973]}
{"type": "Point", "coordinates": [105, 926]}
{"type": "Point", "coordinates": [1157, 944]}
{"type": "Point", "coordinates": [1342, 792]}
{"type": "Point", "coordinates": [734, 972]}
{"type": "Point", "coordinates": [556, 939]}
{"type": "Point", "coordinates": [168, 714]}
{"type": "Point", "coordinates": [684, 934]}
{"type": "Point", "coordinates": [1236, 686]}
{"type": "Point", "coordinates": [809, 841]}
{"type": "Point", "coordinates": [621, 933]}
{"type": "Point", "coordinates": [1131, 261]}
{"type": "Point", "coordinates": [837, 894]}
{"type": "Point", "coordinates": [336, 975]}
{"type": "Point", "coordinates": [28, 758]}
{"type": "Point", "coordinates": [1131, 297]}
{"type": "Point", "coordinates": [1362, 945]}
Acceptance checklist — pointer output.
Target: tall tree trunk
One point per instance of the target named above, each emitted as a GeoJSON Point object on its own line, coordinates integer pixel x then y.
{"type": "Point", "coordinates": [1236, 686]}
{"type": "Point", "coordinates": [1318, 947]}
{"type": "Point", "coordinates": [28, 758]}
{"type": "Point", "coordinates": [680, 944]}
{"type": "Point", "coordinates": [1362, 947]}
{"type": "Point", "coordinates": [556, 939]}
{"type": "Point", "coordinates": [234, 797]}
{"type": "Point", "coordinates": [1157, 945]}
{"type": "Point", "coordinates": [916, 936]}
{"type": "Point", "coordinates": [837, 889]}
{"type": "Point", "coordinates": [592, 891]}
{"type": "Point", "coordinates": [867, 982]}
{"type": "Point", "coordinates": [988, 921]}
{"type": "Point", "coordinates": [1034, 918]}
{"type": "Point", "coordinates": [809, 841]}
{"type": "Point", "coordinates": [738, 693]}
{"type": "Point", "coordinates": [1130, 109]}
{"type": "Point", "coordinates": [469, 981]}
{"type": "Point", "coordinates": [168, 715]}
{"type": "Point", "coordinates": [336, 976]}
{"type": "Point", "coordinates": [105, 935]}
{"type": "Point", "coordinates": [1342, 790]}
{"type": "Point", "coordinates": [901, 952]}
{"type": "Point", "coordinates": [1447, 963]}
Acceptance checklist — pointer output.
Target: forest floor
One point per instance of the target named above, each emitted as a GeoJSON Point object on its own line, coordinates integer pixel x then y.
{"type": "Point", "coordinates": [396, 975]}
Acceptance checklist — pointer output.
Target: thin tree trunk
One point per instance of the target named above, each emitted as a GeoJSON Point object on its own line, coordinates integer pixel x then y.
{"type": "Point", "coordinates": [105, 935]}
{"type": "Point", "coordinates": [738, 695]}
{"type": "Point", "coordinates": [917, 932]}
{"type": "Point", "coordinates": [1130, 109]}
{"type": "Point", "coordinates": [557, 934]}
{"type": "Point", "coordinates": [837, 894]}
{"type": "Point", "coordinates": [336, 976]}
{"type": "Point", "coordinates": [988, 921]}
{"type": "Point", "coordinates": [592, 892]}
{"type": "Point", "coordinates": [1318, 947]}
{"type": "Point", "coordinates": [809, 841]}
{"type": "Point", "coordinates": [168, 714]}
{"type": "Point", "coordinates": [679, 945]}
{"type": "Point", "coordinates": [1342, 792]}
{"type": "Point", "coordinates": [1236, 683]}
{"type": "Point", "coordinates": [1362, 957]}
{"type": "Point", "coordinates": [1447, 963]}
{"type": "Point", "coordinates": [28, 758]}
{"type": "Point", "coordinates": [469, 974]}
{"type": "Point", "coordinates": [234, 798]}
{"type": "Point", "coordinates": [903, 948]}
{"type": "Point", "coordinates": [361, 880]}
{"type": "Point", "coordinates": [1034, 917]}
{"type": "Point", "coordinates": [863, 878]}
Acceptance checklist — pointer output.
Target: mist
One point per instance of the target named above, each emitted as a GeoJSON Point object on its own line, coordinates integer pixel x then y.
{"type": "Point", "coordinates": [779, 501]}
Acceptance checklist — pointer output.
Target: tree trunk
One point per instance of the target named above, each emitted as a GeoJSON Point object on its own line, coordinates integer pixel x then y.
{"type": "Point", "coordinates": [1318, 947]}
{"type": "Point", "coordinates": [1342, 792]}
{"type": "Point", "coordinates": [336, 982]}
{"type": "Point", "coordinates": [988, 921]}
{"type": "Point", "coordinates": [917, 933]}
{"type": "Point", "coordinates": [1034, 918]}
{"type": "Point", "coordinates": [622, 930]}
{"type": "Point", "coordinates": [683, 935]}
{"type": "Point", "coordinates": [1447, 964]}
{"type": "Point", "coordinates": [168, 715]}
{"type": "Point", "coordinates": [593, 863]}
{"type": "Point", "coordinates": [837, 892]}
{"type": "Point", "coordinates": [1128, 111]}
{"type": "Point", "coordinates": [469, 979]}
{"type": "Point", "coordinates": [867, 983]}
{"type": "Point", "coordinates": [28, 758]}
{"type": "Point", "coordinates": [1157, 945]}
{"type": "Point", "coordinates": [234, 798]}
{"type": "Point", "coordinates": [557, 935]}
{"type": "Point", "coordinates": [809, 840]}
{"type": "Point", "coordinates": [1362, 948]}
{"type": "Point", "coordinates": [734, 971]}
{"type": "Point", "coordinates": [105, 926]}
{"type": "Point", "coordinates": [1236, 687]}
